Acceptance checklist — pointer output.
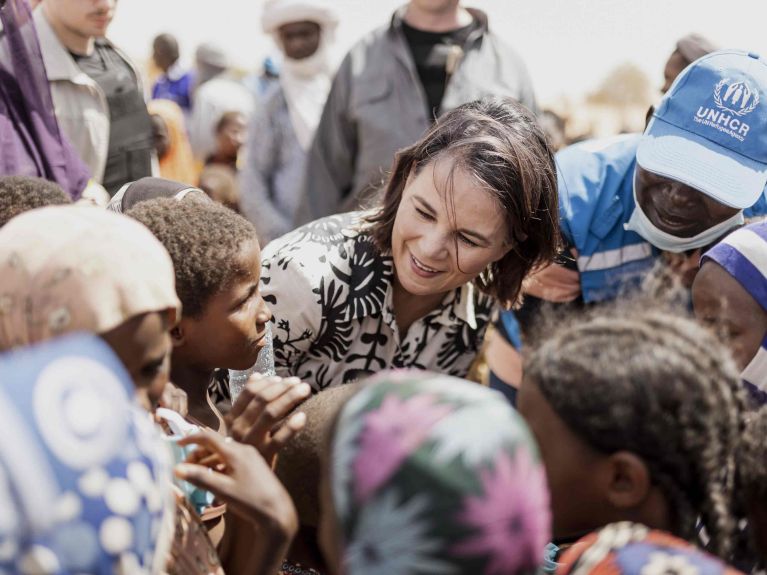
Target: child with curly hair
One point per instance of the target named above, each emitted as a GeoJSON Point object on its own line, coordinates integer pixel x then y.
{"type": "Point", "coordinates": [638, 418]}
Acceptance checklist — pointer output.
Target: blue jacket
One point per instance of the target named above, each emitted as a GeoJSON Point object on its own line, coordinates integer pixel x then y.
{"type": "Point", "coordinates": [596, 199]}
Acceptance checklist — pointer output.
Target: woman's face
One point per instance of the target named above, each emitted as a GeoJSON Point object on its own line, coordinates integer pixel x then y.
{"type": "Point", "coordinates": [723, 304]}
{"type": "Point", "coordinates": [445, 233]}
{"type": "Point", "coordinates": [230, 332]}
{"type": "Point", "coordinates": [143, 344]}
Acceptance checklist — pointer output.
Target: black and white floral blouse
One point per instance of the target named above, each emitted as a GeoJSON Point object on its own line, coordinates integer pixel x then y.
{"type": "Point", "coordinates": [331, 295]}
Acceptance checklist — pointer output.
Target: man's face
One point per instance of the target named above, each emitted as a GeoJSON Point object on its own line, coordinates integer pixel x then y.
{"type": "Point", "coordinates": [300, 39]}
{"type": "Point", "coordinates": [435, 6]}
{"type": "Point", "coordinates": [676, 208]}
{"type": "Point", "coordinates": [86, 18]}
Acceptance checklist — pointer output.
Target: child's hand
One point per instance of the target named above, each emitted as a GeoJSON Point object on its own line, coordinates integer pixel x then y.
{"type": "Point", "coordinates": [175, 398]}
{"type": "Point", "coordinates": [238, 475]}
{"type": "Point", "coordinates": [258, 417]}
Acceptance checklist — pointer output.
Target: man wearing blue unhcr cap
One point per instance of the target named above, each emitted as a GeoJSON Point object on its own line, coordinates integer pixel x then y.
{"type": "Point", "coordinates": [697, 171]}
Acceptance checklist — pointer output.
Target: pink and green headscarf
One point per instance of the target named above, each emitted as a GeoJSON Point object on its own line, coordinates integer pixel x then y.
{"type": "Point", "coordinates": [433, 474]}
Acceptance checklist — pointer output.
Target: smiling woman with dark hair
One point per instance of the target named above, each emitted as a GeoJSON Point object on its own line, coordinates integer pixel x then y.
{"type": "Point", "coordinates": [467, 213]}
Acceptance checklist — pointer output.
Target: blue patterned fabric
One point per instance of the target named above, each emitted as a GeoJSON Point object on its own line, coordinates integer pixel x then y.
{"type": "Point", "coordinates": [84, 476]}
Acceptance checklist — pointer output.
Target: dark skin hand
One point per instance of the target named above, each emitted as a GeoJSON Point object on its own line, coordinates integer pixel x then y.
{"type": "Point", "coordinates": [676, 208]}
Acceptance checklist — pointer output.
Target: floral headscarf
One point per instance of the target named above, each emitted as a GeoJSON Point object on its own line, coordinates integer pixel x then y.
{"type": "Point", "coordinates": [433, 474]}
{"type": "Point", "coordinates": [84, 475]}
{"type": "Point", "coordinates": [633, 549]}
{"type": "Point", "coordinates": [78, 268]}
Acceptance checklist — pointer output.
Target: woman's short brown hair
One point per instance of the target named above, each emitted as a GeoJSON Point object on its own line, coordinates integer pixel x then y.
{"type": "Point", "coordinates": [500, 144]}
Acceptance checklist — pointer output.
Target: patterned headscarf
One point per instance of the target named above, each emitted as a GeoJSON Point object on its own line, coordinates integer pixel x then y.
{"type": "Point", "coordinates": [743, 255]}
{"type": "Point", "coordinates": [633, 549]}
{"type": "Point", "coordinates": [78, 268]}
{"type": "Point", "coordinates": [433, 474]}
{"type": "Point", "coordinates": [84, 475]}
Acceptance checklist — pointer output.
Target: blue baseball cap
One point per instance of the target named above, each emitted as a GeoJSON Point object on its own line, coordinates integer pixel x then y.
{"type": "Point", "coordinates": [710, 130]}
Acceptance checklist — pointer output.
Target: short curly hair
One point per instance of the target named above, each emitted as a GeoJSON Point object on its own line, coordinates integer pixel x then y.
{"type": "Point", "coordinates": [19, 194]}
{"type": "Point", "coordinates": [752, 456]}
{"type": "Point", "coordinates": [204, 241]}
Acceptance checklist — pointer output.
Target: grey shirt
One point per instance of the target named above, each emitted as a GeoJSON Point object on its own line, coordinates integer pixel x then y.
{"type": "Point", "coordinates": [377, 105]}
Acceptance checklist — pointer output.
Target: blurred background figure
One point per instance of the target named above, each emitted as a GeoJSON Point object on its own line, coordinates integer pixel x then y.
{"type": "Point", "coordinates": [220, 183]}
{"type": "Point", "coordinates": [283, 127]}
{"type": "Point", "coordinates": [230, 137]}
{"type": "Point", "coordinates": [171, 142]}
{"type": "Point", "coordinates": [433, 56]}
{"type": "Point", "coordinates": [554, 127]}
{"type": "Point", "coordinates": [174, 83]}
{"type": "Point", "coordinates": [97, 93]}
{"type": "Point", "coordinates": [687, 50]}
{"type": "Point", "coordinates": [267, 75]}
{"type": "Point", "coordinates": [217, 92]}
{"type": "Point", "coordinates": [31, 141]}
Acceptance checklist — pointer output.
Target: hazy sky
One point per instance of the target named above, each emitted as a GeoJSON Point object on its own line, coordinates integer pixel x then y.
{"type": "Point", "coordinates": [568, 45]}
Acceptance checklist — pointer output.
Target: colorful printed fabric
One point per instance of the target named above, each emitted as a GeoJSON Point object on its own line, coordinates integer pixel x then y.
{"type": "Point", "coordinates": [75, 268]}
{"type": "Point", "coordinates": [84, 476]}
{"type": "Point", "coordinates": [633, 549]}
{"type": "Point", "coordinates": [433, 474]}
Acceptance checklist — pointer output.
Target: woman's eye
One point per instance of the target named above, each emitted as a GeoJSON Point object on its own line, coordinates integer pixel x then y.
{"type": "Point", "coordinates": [467, 241]}
{"type": "Point", "coordinates": [424, 215]}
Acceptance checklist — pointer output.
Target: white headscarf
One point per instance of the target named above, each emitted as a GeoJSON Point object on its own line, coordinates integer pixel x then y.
{"type": "Point", "coordinates": [305, 82]}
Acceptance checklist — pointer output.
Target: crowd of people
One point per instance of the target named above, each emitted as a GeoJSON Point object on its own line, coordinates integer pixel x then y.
{"type": "Point", "coordinates": [493, 352]}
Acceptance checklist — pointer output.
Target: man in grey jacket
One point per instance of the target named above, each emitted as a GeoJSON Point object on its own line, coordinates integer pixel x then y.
{"type": "Point", "coordinates": [434, 56]}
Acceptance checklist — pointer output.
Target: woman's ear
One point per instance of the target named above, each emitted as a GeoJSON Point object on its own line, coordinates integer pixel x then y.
{"type": "Point", "coordinates": [629, 483]}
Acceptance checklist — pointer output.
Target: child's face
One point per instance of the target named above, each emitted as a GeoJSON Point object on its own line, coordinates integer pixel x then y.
{"type": "Point", "coordinates": [569, 463]}
{"type": "Point", "coordinates": [721, 303]}
{"type": "Point", "coordinates": [230, 332]}
{"type": "Point", "coordinates": [143, 344]}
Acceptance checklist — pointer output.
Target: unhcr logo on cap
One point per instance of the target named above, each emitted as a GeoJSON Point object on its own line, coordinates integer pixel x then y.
{"type": "Point", "coordinates": [734, 100]}
{"type": "Point", "coordinates": [739, 98]}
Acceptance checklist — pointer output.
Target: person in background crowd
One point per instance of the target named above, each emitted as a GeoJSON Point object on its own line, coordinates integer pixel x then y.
{"type": "Point", "coordinates": [632, 549]}
{"type": "Point", "coordinates": [216, 93]}
{"type": "Point", "coordinates": [434, 56]}
{"type": "Point", "coordinates": [174, 83]}
{"type": "Point", "coordinates": [283, 126]}
{"type": "Point", "coordinates": [230, 137]}
{"type": "Point", "coordinates": [730, 295]}
{"type": "Point", "coordinates": [638, 415]}
{"type": "Point", "coordinates": [171, 142]}
{"type": "Point", "coordinates": [97, 93]}
{"type": "Point", "coordinates": [469, 210]}
{"type": "Point", "coordinates": [33, 143]}
{"type": "Point", "coordinates": [628, 200]}
{"type": "Point", "coordinates": [432, 474]}
{"type": "Point", "coordinates": [687, 50]}
{"type": "Point", "coordinates": [554, 126]}
{"type": "Point", "coordinates": [95, 501]}
{"type": "Point", "coordinates": [260, 81]}
{"type": "Point", "coordinates": [19, 194]}
{"type": "Point", "coordinates": [221, 186]}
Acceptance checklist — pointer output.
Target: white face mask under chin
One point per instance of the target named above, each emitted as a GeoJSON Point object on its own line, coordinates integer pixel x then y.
{"type": "Point", "coordinates": [755, 372]}
{"type": "Point", "coordinates": [641, 224]}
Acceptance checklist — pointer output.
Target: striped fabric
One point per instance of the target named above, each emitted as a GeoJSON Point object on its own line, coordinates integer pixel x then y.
{"type": "Point", "coordinates": [743, 254]}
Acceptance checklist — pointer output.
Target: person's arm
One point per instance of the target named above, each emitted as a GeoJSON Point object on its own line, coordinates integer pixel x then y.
{"type": "Point", "coordinates": [257, 175]}
{"type": "Point", "coordinates": [331, 159]}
